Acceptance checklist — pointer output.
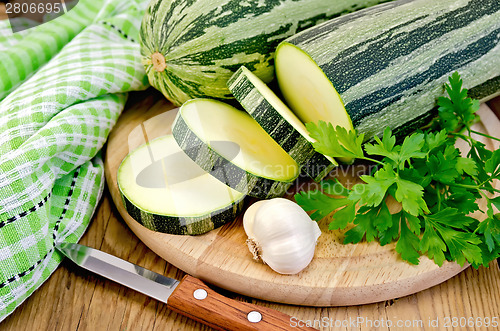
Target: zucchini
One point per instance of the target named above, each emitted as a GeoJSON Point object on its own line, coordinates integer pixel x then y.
{"type": "Point", "coordinates": [260, 168]}
{"type": "Point", "coordinates": [279, 122]}
{"type": "Point", "coordinates": [172, 194]}
{"type": "Point", "coordinates": [386, 65]}
{"type": "Point", "coordinates": [191, 48]}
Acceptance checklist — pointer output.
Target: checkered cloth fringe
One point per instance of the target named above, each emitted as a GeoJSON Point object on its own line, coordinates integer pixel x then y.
{"type": "Point", "coordinates": [63, 85]}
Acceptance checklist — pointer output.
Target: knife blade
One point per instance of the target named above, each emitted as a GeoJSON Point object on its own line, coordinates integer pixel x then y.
{"type": "Point", "coordinates": [189, 296]}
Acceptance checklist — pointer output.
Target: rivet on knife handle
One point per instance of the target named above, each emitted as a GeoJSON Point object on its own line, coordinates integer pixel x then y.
{"type": "Point", "coordinates": [222, 313]}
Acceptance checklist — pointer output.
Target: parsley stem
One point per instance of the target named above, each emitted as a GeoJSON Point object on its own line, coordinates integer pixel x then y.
{"type": "Point", "coordinates": [438, 191]}
{"type": "Point", "coordinates": [464, 137]}
{"type": "Point", "coordinates": [372, 160]}
{"type": "Point", "coordinates": [484, 135]}
{"type": "Point", "coordinates": [474, 187]}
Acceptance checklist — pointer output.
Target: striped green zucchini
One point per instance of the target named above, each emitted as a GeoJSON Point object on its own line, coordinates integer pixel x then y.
{"type": "Point", "coordinates": [386, 65]}
{"type": "Point", "coordinates": [165, 191]}
{"type": "Point", "coordinates": [191, 48]}
{"type": "Point", "coordinates": [279, 122]}
{"type": "Point", "coordinates": [259, 167]}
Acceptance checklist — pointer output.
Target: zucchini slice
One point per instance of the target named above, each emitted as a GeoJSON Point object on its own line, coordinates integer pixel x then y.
{"type": "Point", "coordinates": [279, 122]}
{"type": "Point", "coordinates": [158, 198]}
{"type": "Point", "coordinates": [260, 168]}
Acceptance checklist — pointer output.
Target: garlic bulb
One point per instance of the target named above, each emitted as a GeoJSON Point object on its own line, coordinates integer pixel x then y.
{"type": "Point", "coordinates": [281, 234]}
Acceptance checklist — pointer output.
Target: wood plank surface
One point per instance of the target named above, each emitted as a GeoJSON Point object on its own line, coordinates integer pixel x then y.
{"type": "Point", "coordinates": [3, 15]}
{"type": "Point", "coordinates": [73, 299]}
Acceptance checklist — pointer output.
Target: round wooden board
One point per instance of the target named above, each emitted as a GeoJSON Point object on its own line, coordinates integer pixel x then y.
{"type": "Point", "coordinates": [339, 275]}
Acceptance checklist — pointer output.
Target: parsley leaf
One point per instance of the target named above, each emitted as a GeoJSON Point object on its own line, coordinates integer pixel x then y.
{"type": "Point", "coordinates": [461, 245]}
{"type": "Point", "coordinates": [462, 200]}
{"type": "Point", "coordinates": [391, 233]}
{"type": "Point", "coordinates": [432, 244]}
{"type": "Point", "coordinates": [321, 204]}
{"type": "Point", "coordinates": [384, 147]}
{"type": "Point", "coordinates": [343, 216]}
{"type": "Point", "coordinates": [408, 242]}
{"type": "Point", "coordinates": [397, 155]}
{"type": "Point", "coordinates": [383, 221]}
{"type": "Point", "coordinates": [492, 165]}
{"type": "Point", "coordinates": [435, 139]}
{"type": "Point", "coordinates": [375, 190]}
{"type": "Point", "coordinates": [458, 108]}
{"type": "Point", "coordinates": [466, 165]}
{"type": "Point", "coordinates": [442, 170]}
{"type": "Point", "coordinates": [410, 195]}
{"type": "Point", "coordinates": [490, 228]}
{"type": "Point", "coordinates": [411, 148]}
{"type": "Point", "coordinates": [364, 228]}
{"type": "Point", "coordinates": [335, 142]}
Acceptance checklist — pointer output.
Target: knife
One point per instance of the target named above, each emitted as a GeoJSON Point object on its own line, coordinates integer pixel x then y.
{"type": "Point", "coordinates": [189, 296]}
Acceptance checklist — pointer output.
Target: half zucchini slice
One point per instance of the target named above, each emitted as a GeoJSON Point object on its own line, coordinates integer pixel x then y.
{"type": "Point", "coordinates": [279, 122]}
{"type": "Point", "coordinates": [205, 129]}
{"type": "Point", "coordinates": [165, 191]}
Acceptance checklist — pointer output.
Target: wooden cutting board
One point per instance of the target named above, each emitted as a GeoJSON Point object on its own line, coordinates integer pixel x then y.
{"type": "Point", "coordinates": [339, 275]}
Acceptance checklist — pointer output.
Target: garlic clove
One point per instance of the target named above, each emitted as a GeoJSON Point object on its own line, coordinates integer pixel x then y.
{"type": "Point", "coordinates": [281, 234]}
{"type": "Point", "coordinates": [290, 259]}
{"type": "Point", "coordinates": [316, 230]}
{"type": "Point", "coordinates": [249, 217]}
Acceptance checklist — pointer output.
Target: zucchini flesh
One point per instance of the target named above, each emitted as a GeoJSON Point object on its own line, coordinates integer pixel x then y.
{"type": "Point", "coordinates": [307, 89]}
{"type": "Point", "coordinates": [388, 63]}
{"type": "Point", "coordinates": [158, 198]}
{"type": "Point", "coordinates": [261, 168]}
{"type": "Point", "coordinates": [279, 122]}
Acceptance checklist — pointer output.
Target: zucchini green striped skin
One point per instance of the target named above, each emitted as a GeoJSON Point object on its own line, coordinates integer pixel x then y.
{"type": "Point", "coordinates": [165, 191]}
{"type": "Point", "coordinates": [262, 104]}
{"type": "Point", "coordinates": [219, 166]}
{"type": "Point", "coordinates": [388, 63]}
{"type": "Point", "coordinates": [184, 225]}
{"type": "Point", "coordinates": [191, 48]}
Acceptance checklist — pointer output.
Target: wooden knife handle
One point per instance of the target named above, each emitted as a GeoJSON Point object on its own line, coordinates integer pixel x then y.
{"type": "Point", "coordinates": [194, 299]}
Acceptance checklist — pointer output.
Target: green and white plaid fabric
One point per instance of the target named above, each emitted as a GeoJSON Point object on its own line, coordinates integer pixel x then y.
{"type": "Point", "coordinates": [63, 85]}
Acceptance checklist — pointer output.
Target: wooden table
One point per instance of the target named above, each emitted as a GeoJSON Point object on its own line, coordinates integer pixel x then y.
{"type": "Point", "coordinates": [74, 299]}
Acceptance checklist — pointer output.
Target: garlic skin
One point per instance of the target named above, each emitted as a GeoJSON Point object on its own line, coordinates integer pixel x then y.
{"type": "Point", "coordinates": [281, 234]}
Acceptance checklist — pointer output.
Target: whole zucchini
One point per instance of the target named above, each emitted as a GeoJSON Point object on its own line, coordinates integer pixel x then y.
{"type": "Point", "coordinates": [191, 48]}
{"type": "Point", "coordinates": [386, 65]}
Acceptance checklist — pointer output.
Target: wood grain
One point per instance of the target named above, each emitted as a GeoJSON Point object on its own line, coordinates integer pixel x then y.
{"type": "Point", "coordinates": [338, 275]}
{"type": "Point", "coordinates": [73, 299]}
{"type": "Point", "coordinates": [3, 15]}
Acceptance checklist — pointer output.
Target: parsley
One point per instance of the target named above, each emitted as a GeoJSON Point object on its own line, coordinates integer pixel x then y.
{"type": "Point", "coordinates": [434, 184]}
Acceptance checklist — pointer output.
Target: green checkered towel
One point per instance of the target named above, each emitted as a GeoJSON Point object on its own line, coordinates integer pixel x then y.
{"type": "Point", "coordinates": [63, 85]}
